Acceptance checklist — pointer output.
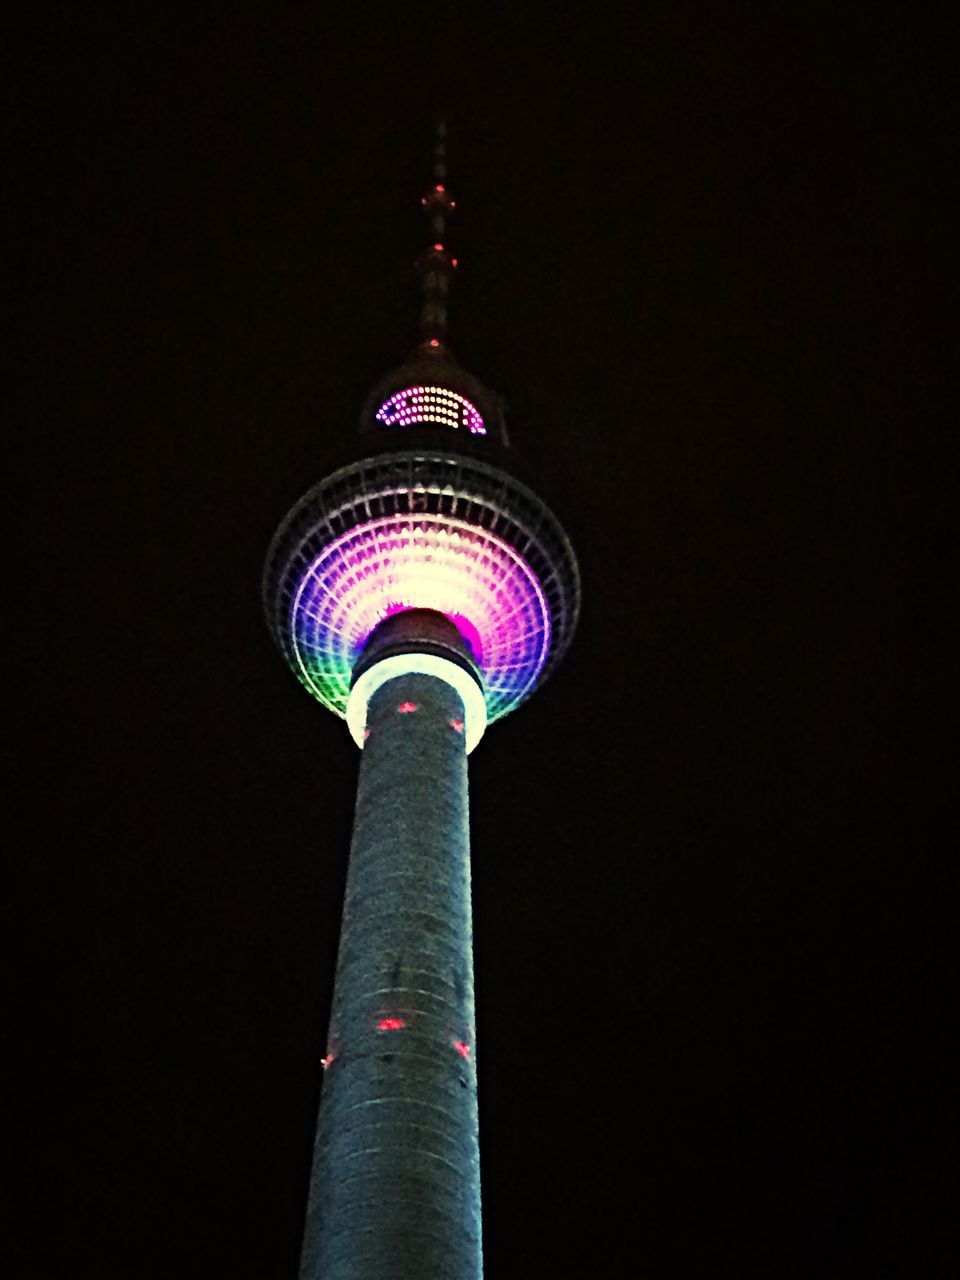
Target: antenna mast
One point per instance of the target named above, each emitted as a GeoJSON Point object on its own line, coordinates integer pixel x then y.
{"type": "Point", "coordinates": [435, 265]}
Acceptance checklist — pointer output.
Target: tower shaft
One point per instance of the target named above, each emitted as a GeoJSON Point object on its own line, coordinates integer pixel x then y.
{"type": "Point", "coordinates": [395, 1186]}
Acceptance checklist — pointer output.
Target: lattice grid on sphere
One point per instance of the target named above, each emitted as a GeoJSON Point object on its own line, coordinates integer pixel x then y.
{"type": "Point", "coordinates": [424, 529]}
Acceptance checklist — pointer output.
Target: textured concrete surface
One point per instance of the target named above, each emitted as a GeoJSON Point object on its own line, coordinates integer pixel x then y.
{"type": "Point", "coordinates": [395, 1189]}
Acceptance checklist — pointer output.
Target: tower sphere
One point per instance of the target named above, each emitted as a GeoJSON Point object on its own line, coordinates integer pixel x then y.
{"type": "Point", "coordinates": [427, 518]}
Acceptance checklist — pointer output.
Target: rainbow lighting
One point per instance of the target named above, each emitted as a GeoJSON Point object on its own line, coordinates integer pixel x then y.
{"type": "Point", "coordinates": [414, 406]}
{"type": "Point", "coordinates": [422, 530]}
{"type": "Point", "coordinates": [422, 590]}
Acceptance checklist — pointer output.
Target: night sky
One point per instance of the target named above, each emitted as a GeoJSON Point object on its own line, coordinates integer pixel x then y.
{"type": "Point", "coordinates": [693, 249]}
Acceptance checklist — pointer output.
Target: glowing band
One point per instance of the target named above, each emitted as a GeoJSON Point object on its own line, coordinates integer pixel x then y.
{"type": "Point", "coordinates": [421, 664]}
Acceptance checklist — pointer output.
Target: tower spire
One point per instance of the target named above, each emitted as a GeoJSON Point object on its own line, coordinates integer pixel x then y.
{"type": "Point", "coordinates": [435, 265]}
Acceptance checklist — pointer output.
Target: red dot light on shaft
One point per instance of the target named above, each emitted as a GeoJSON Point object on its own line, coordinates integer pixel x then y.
{"type": "Point", "coordinates": [391, 1024]}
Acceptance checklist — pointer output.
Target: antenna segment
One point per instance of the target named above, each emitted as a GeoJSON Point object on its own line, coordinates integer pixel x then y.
{"type": "Point", "coordinates": [435, 265]}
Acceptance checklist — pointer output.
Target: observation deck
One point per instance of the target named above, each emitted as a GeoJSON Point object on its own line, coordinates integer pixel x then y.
{"type": "Point", "coordinates": [427, 518]}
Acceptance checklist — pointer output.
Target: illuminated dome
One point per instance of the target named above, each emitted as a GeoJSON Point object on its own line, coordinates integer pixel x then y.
{"type": "Point", "coordinates": [422, 529]}
{"type": "Point", "coordinates": [432, 390]}
{"type": "Point", "coordinates": [431, 406]}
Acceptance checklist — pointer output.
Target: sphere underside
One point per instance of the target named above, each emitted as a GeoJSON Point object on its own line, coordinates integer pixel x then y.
{"type": "Point", "coordinates": [422, 530]}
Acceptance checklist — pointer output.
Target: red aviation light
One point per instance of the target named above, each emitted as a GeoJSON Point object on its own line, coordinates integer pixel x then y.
{"type": "Point", "coordinates": [391, 1024]}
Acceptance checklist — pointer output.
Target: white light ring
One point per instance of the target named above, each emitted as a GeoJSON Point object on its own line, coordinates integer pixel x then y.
{"type": "Point", "coordinates": [419, 664]}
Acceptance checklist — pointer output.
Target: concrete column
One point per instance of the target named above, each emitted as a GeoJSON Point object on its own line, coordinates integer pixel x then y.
{"type": "Point", "coordinates": [395, 1188]}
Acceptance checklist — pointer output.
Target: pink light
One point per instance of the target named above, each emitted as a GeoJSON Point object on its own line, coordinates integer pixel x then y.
{"type": "Point", "coordinates": [406, 707]}
{"type": "Point", "coordinates": [461, 1048]}
{"type": "Point", "coordinates": [426, 561]}
{"type": "Point", "coordinates": [457, 725]}
{"type": "Point", "coordinates": [431, 403]}
{"type": "Point", "coordinates": [391, 1024]}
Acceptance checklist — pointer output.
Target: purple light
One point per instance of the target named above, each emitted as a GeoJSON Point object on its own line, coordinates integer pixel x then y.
{"type": "Point", "coordinates": [422, 528]}
{"type": "Point", "coordinates": [415, 405]}
{"type": "Point", "coordinates": [421, 561]}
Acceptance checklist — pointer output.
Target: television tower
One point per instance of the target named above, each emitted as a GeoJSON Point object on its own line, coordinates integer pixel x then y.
{"type": "Point", "coordinates": [421, 590]}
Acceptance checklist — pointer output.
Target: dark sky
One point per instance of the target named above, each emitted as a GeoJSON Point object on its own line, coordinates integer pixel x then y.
{"type": "Point", "coordinates": [693, 250]}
